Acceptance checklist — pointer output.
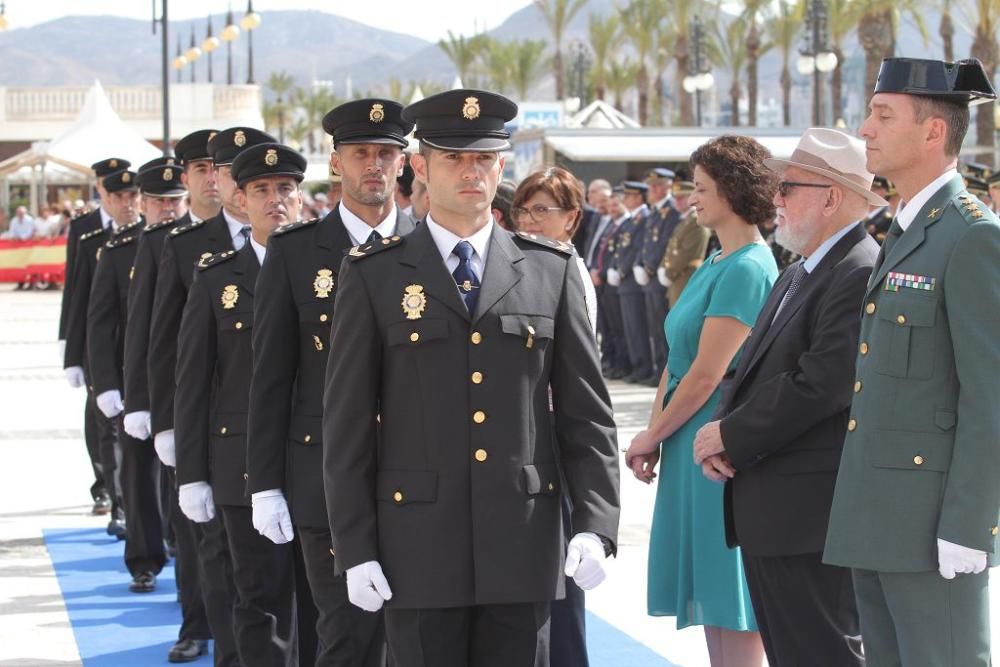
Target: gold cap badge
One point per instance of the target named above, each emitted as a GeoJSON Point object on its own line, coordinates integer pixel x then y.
{"type": "Point", "coordinates": [230, 295]}
{"type": "Point", "coordinates": [471, 109]}
{"type": "Point", "coordinates": [126, 177]}
{"type": "Point", "coordinates": [211, 135]}
{"type": "Point", "coordinates": [376, 115]}
{"type": "Point", "coordinates": [414, 301]}
{"type": "Point", "coordinates": [168, 174]}
{"type": "Point", "coordinates": [271, 158]}
{"type": "Point", "coordinates": [240, 139]}
{"type": "Point", "coordinates": [323, 284]}
{"type": "Point", "coordinates": [113, 164]}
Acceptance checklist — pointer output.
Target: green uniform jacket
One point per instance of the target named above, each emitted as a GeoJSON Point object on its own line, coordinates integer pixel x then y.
{"type": "Point", "coordinates": [684, 254]}
{"type": "Point", "coordinates": [922, 456]}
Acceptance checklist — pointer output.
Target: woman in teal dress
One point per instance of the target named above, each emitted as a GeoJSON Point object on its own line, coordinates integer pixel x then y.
{"type": "Point", "coordinates": [693, 575]}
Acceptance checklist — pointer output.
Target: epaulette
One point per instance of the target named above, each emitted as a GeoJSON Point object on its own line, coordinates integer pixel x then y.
{"type": "Point", "coordinates": [546, 242]}
{"type": "Point", "coordinates": [159, 225]}
{"type": "Point", "coordinates": [194, 224]}
{"type": "Point", "coordinates": [367, 249]}
{"type": "Point", "coordinates": [122, 239]}
{"type": "Point", "coordinates": [129, 227]}
{"type": "Point", "coordinates": [91, 234]}
{"type": "Point", "coordinates": [971, 208]}
{"type": "Point", "coordinates": [216, 259]}
{"type": "Point", "coordinates": [292, 226]}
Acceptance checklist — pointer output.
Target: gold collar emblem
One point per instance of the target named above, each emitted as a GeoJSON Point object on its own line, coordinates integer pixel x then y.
{"type": "Point", "coordinates": [240, 139]}
{"type": "Point", "coordinates": [230, 295]}
{"type": "Point", "coordinates": [323, 284]}
{"type": "Point", "coordinates": [271, 158]}
{"type": "Point", "coordinates": [471, 109]}
{"type": "Point", "coordinates": [376, 115]}
{"type": "Point", "coordinates": [414, 301]}
{"type": "Point", "coordinates": [933, 213]}
{"type": "Point", "coordinates": [168, 174]}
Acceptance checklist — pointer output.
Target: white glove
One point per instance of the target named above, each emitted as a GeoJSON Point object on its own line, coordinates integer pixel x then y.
{"type": "Point", "coordinates": [196, 501]}
{"type": "Point", "coordinates": [955, 559]}
{"type": "Point", "coordinates": [585, 560]}
{"type": "Point", "coordinates": [163, 443]}
{"type": "Point", "coordinates": [62, 349]}
{"type": "Point", "coordinates": [271, 517]}
{"type": "Point", "coordinates": [640, 275]}
{"type": "Point", "coordinates": [661, 275]}
{"type": "Point", "coordinates": [110, 403]}
{"type": "Point", "coordinates": [614, 277]}
{"type": "Point", "coordinates": [74, 375]}
{"type": "Point", "coordinates": [138, 425]}
{"type": "Point", "coordinates": [367, 587]}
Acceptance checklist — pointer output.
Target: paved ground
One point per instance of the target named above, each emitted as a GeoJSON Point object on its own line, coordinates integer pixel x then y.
{"type": "Point", "coordinates": [44, 481]}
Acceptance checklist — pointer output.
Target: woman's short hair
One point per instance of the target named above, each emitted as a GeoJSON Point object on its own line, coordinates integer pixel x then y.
{"type": "Point", "coordinates": [736, 164]}
{"type": "Point", "coordinates": [557, 183]}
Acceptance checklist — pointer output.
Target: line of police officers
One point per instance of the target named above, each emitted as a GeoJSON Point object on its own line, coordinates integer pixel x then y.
{"type": "Point", "coordinates": [201, 329]}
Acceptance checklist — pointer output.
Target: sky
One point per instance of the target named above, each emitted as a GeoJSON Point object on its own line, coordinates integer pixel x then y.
{"type": "Point", "coordinates": [395, 15]}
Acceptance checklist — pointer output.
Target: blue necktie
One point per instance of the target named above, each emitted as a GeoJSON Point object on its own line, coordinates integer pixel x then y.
{"type": "Point", "coordinates": [465, 277]}
{"type": "Point", "coordinates": [245, 233]}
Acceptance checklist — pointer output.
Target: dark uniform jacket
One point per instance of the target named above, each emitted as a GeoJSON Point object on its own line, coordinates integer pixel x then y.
{"type": "Point", "coordinates": [628, 245]}
{"type": "Point", "coordinates": [878, 223]}
{"type": "Point", "coordinates": [78, 226]}
{"type": "Point", "coordinates": [140, 310]}
{"type": "Point", "coordinates": [214, 362]}
{"type": "Point", "coordinates": [89, 250]}
{"type": "Point", "coordinates": [660, 225]}
{"type": "Point", "coordinates": [294, 308]}
{"type": "Point", "coordinates": [183, 248]}
{"type": "Point", "coordinates": [108, 309]}
{"type": "Point", "coordinates": [784, 413]}
{"type": "Point", "coordinates": [441, 455]}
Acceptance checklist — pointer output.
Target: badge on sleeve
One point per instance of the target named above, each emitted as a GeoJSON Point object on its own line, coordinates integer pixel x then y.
{"type": "Point", "coordinates": [323, 284]}
{"type": "Point", "coordinates": [230, 295]}
{"type": "Point", "coordinates": [414, 301]}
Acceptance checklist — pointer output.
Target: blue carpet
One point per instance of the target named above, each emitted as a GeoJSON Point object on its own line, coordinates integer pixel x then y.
{"type": "Point", "coordinates": [115, 628]}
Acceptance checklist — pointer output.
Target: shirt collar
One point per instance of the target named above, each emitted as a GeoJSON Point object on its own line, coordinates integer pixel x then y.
{"type": "Point", "coordinates": [663, 202]}
{"type": "Point", "coordinates": [258, 250]}
{"type": "Point", "coordinates": [194, 218]}
{"type": "Point", "coordinates": [359, 230]}
{"type": "Point", "coordinates": [909, 212]}
{"type": "Point", "coordinates": [446, 241]}
{"type": "Point", "coordinates": [235, 226]}
{"type": "Point", "coordinates": [811, 262]}
{"type": "Point", "coordinates": [105, 218]}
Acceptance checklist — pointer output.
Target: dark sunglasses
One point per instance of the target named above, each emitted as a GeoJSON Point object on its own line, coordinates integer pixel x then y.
{"type": "Point", "coordinates": [785, 187]}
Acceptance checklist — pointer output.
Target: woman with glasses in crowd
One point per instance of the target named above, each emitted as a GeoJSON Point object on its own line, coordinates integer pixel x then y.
{"type": "Point", "coordinates": [692, 574]}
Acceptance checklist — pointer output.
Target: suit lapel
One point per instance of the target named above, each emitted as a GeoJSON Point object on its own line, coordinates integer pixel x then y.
{"type": "Point", "coordinates": [501, 272]}
{"type": "Point", "coordinates": [246, 268]}
{"type": "Point", "coordinates": [332, 238]}
{"type": "Point", "coordinates": [421, 254]}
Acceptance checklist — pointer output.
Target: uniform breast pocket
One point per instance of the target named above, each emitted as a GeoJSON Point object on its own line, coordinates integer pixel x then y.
{"type": "Point", "coordinates": [314, 322]}
{"type": "Point", "coordinates": [234, 324]}
{"type": "Point", "coordinates": [905, 335]}
{"type": "Point", "coordinates": [535, 331]}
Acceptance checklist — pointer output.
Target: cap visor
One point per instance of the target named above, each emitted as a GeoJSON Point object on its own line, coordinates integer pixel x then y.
{"type": "Point", "coordinates": [468, 144]}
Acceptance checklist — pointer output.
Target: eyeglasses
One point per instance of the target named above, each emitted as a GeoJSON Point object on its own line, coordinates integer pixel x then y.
{"type": "Point", "coordinates": [785, 187]}
{"type": "Point", "coordinates": [537, 213]}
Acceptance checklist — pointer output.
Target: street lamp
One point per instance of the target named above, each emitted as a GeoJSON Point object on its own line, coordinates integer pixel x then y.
{"type": "Point", "coordinates": [180, 60]}
{"type": "Point", "coordinates": [816, 57]}
{"type": "Point", "coordinates": [3, 17]}
{"type": "Point", "coordinates": [192, 54]}
{"type": "Point", "coordinates": [581, 62]}
{"type": "Point", "coordinates": [250, 22]}
{"type": "Point", "coordinates": [700, 77]}
{"type": "Point", "coordinates": [210, 44]}
{"type": "Point", "coordinates": [230, 33]}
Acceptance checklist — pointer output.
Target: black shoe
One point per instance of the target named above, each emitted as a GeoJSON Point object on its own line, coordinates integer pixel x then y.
{"type": "Point", "coordinates": [102, 505]}
{"type": "Point", "coordinates": [643, 380]}
{"type": "Point", "coordinates": [116, 527]}
{"type": "Point", "coordinates": [144, 582]}
{"type": "Point", "coordinates": [653, 381]}
{"type": "Point", "coordinates": [617, 374]}
{"type": "Point", "coordinates": [187, 650]}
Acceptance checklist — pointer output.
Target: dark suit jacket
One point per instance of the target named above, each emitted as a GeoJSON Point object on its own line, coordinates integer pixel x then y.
{"type": "Point", "coordinates": [291, 340]}
{"type": "Point", "coordinates": [214, 363]}
{"type": "Point", "coordinates": [590, 217]}
{"type": "Point", "coordinates": [785, 411]}
{"type": "Point", "coordinates": [89, 249]}
{"type": "Point", "coordinates": [441, 456]}
{"type": "Point", "coordinates": [79, 226]}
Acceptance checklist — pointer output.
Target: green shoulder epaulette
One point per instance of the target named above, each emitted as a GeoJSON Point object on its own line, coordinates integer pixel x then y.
{"type": "Point", "coordinates": [91, 234]}
{"type": "Point", "coordinates": [216, 259]}
{"type": "Point", "coordinates": [292, 226]}
{"type": "Point", "coordinates": [194, 224]}
{"type": "Point", "coordinates": [159, 225]}
{"type": "Point", "coordinates": [122, 239]}
{"type": "Point", "coordinates": [972, 209]}
{"type": "Point", "coordinates": [367, 249]}
{"type": "Point", "coordinates": [546, 242]}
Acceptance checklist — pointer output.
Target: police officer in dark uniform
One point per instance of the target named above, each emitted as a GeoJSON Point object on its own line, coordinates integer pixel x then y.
{"type": "Point", "coordinates": [442, 466]}
{"type": "Point", "coordinates": [878, 220]}
{"type": "Point", "coordinates": [616, 364]}
{"type": "Point", "coordinates": [214, 364]}
{"type": "Point", "coordinates": [94, 424]}
{"type": "Point", "coordinates": [293, 308]}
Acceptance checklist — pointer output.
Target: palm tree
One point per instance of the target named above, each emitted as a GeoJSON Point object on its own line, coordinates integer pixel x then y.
{"type": "Point", "coordinates": [727, 49]}
{"type": "Point", "coordinates": [280, 84]}
{"type": "Point", "coordinates": [674, 39]}
{"type": "Point", "coordinates": [986, 48]}
{"type": "Point", "coordinates": [877, 28]}
{"type": "Point", "coordinates": [782, 26]}
{"type": "Point", "coordinates": [462, 52]}
{"type": "Point", "coordinates": [528, 63]}
{"type": "Point", "coordinates": [269, 111]}
{"type": "Point", "coordinates": [842, 18]}
{"type": "Point", "coordinates": [299, 132]}
{"type": "Point", "coordinates": [605, 38]}
{"type": "Point", "coordinates": [558, 14]}
{"type": "Point", "coordinates": [498, 63]}
{"type": "Point", "coordinates": [621, 76]}
{"type": "Point", "coordinates": [638, 18]}
{"type": "Point", "coordinates": [755, 49]}
{"type": "Point", "coordinates": [315, 104]}
{"type": "Point", "coordinates": [946, 30]}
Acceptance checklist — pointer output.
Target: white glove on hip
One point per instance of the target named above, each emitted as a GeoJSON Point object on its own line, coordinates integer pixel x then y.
{"type": "Point", "coordinates": [585, 560]}
{"type": "Point", "coordinates": [74, 375]}
{"type": "Point", "coordinates": [196, 501]}
{"type": "Point", "coordinates": [661, 275]}
{"type": "Point", "coordinates": [614, 277]}
{"type": "Point", "coordinates": [271, 517]}
{"type": "Point", "coordinates": [955, 559]}
{"type": "Point", "coordinates": [367, 587]}
{"type": "Point", "coordinates": [640, 275]}
{"type": "Point", "coordinates": [110, 403]}
{"type": "Point", "coordinates": [138, 425]}
{"type": "Point", "coordinates": [163, 443]}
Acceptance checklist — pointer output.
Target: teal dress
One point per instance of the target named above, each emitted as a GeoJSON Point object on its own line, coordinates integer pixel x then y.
{"type": "Point", "coordinates": [693, 575]}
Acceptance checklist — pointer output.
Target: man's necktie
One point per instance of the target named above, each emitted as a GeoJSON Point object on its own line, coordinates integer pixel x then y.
{"type": "Point", "coordinates": [244, 237]}
{"type": "Point", "coordinates": [374, 236]}
{"type": "Point", "coordinates": [465, 277]}
{"type": "Point", "coordinates": [895, 231]}
{"type": "Point", "coordinates": [797, 277]}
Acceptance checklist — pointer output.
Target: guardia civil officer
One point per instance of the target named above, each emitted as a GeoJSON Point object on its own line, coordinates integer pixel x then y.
{"type": "Point", "coordinates": [916, 502]}
{"type": "Point", "coordinates": [214, 363]}
{"type": "Point", "coordinates": [293, 308]}
{"type": "Point", "coordinates": [440, 459]}
{"type": "Point", "coordinates": [95, 428]}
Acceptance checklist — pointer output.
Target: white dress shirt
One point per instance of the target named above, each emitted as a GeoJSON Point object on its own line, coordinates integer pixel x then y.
{"type": "Point", "coordinates": [907, 213]}
{"type": "Point", "coordinates": [446, 242]}
{"type": "Point", "coordinates": [359, 230]}
{"type": "Point", "coordinates": [258, 249]}
{"type": "Point", "coordinates": [814, 259]}
{"type": "Point", "coordinates": [235, 227]}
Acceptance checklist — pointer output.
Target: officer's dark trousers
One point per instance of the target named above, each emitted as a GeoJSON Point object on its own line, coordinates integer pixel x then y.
{"type": "Point", "coordinates": [140, 474]}
{"type": "Point", "coordinates": [194, 619]}
{"type": "Point", "coordinates": [348, 636]}
{"type": "Point", "coordinates": [610, 305]}
{"type": "Point", "coordinates": [633, 306]}
{"type": "Point", "coordinates": [306, 614]}
{"type": "Point", "coordinates": [264, 575]}
{"type": "Point", "coordinates": [568, 644]}
{"type": "Point", "coordinates": [109, 452]}
{"type": "Point", "coordinates": [502, 635]}
{"type": "Point", "coordinates": [93, 441]}
{"type": "Point", "coordinates": [656, 312]}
